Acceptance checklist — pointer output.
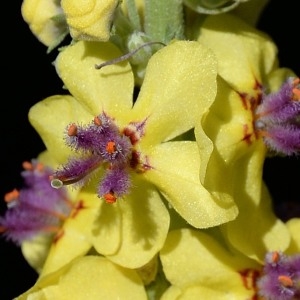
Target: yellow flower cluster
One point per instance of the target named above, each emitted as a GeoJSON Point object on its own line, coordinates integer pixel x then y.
{"type": "Point", "coordinates": [163, 176]}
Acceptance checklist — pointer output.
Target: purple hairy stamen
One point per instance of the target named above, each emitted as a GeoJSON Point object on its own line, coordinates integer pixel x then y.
{"type": "Point", "coordinates": [115, 181]}
{"type": "Point", "coordinates": [280, 279]}
{"type": "Point", "coordinates": [102, 143]}
{"type": "Point", "coordinates": [37, 208]}
{"type": "Point", "coordinates": [75, 171]}
{"type": "Point", "coordinates": [277, 118]}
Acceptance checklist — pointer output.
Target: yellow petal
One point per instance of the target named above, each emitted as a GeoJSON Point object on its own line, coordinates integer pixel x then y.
{"type": "Point", "coordinates": [231, 161]}
{"type": "Point", "coordinates": [245, 55]}
{"type": "Point", "coordinates": [89, 277]}
{"type": "Point", "coordinates": [50, 119]}
{"type": "Point", "coordinates": [35, 251]}
{"type": "Point", "coordinates": [107, 229]}
{"type": "Point", "coordinates": [293, 226]}
{"type": "Point", "coordinates": [176, 173]}
{"type": "Point", "coordinates": [179, 86]}
{"type": "Point", "coordinates": [221, 138]}
{"type": "Point", "coordinates": [256, 230]}
{"type": "Point", "coordinates": [75, 237]}
{"type": "Point", "coordinates": [192, 257]}
{"type": "Point", "coordinates": [277, 77]}
{"type": "Point", "coordinates": [172, 293]}
{"type": "Point", "coordinates": [90, 19]}
{"type": "Point", "coordinates": [109, 89]}
{"type": "Point", "coordinates": [197, 292]}
{"type": "Point", "coordinates": [145, 224]}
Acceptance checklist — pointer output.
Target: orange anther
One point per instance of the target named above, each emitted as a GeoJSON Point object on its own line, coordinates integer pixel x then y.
{"type": "Point", "coordinates": [11, 196]}
{"type": "Point", "coordinates": [296, 94]}
{"type": "Point", "coordinates": [97, 121]}
{"type": "Point", "coordinates": [2, 229]}
{"type": "Point", "coordinates": [111, 147]}
{"type": "Point", "coordinates": [110, 198]}
{"type": "Point", "coordinates": [285, 280]}
{"type": "Point", "coordinates": [72, 130]}
{"type": "Point", "coordinates": [39, 167]}
{"type": "Point", "coordinates": [275, 257]}
{"type": "Point", "coordinates": [27, 166]}
{"type": "Point", "coordinates": [296, 81]}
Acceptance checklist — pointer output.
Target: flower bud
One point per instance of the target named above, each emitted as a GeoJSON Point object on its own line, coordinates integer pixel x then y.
{"type": "Point", "coordinates": [89, 20]}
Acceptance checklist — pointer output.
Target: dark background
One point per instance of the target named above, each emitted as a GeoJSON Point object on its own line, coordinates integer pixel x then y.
{"type": "Point", "coordinates": [28, 77]}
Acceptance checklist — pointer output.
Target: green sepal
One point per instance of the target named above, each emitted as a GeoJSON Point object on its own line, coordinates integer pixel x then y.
{"type": "Point", "coordinates": [164, 20]}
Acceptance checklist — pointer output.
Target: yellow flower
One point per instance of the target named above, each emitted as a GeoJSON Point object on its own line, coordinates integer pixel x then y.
{"type": "Point", "coordinates": [47, 253]}
{"type": "Point", "coordinates": [232, 150]}
{"type": "Point", "coordinates": [89, 20]}
{"type": "Point", "coordinates": [199, 266]}
{"type": "Point", "coordinates": [134, 161]}
{"type": "Point", "coordinates": [45, 20]}
{"type": "Point", "coordinates": [88, 277]}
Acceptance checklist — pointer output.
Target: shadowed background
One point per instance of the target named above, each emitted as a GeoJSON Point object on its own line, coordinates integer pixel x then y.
{"type": "Point", "coordinates": [29, 77]}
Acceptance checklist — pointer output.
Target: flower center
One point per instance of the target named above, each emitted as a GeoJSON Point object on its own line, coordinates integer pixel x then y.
{"type": "Point", "coordinates": [250, 103]}
{"type": "Point", "coordinates": [249, 278]}
{"type": "Point", "coordinates": [102, 144]}
{"type": "Point", "coordinates": [280, 278]}
{"type": "Point", "coordinates": [275, 117]}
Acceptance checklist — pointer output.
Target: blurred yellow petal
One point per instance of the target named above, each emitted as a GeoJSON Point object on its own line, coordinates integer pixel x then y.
{"type": "Point", "coordinates": [74, 240]}
{"type": "Point", "coordinates": [35, 251]}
